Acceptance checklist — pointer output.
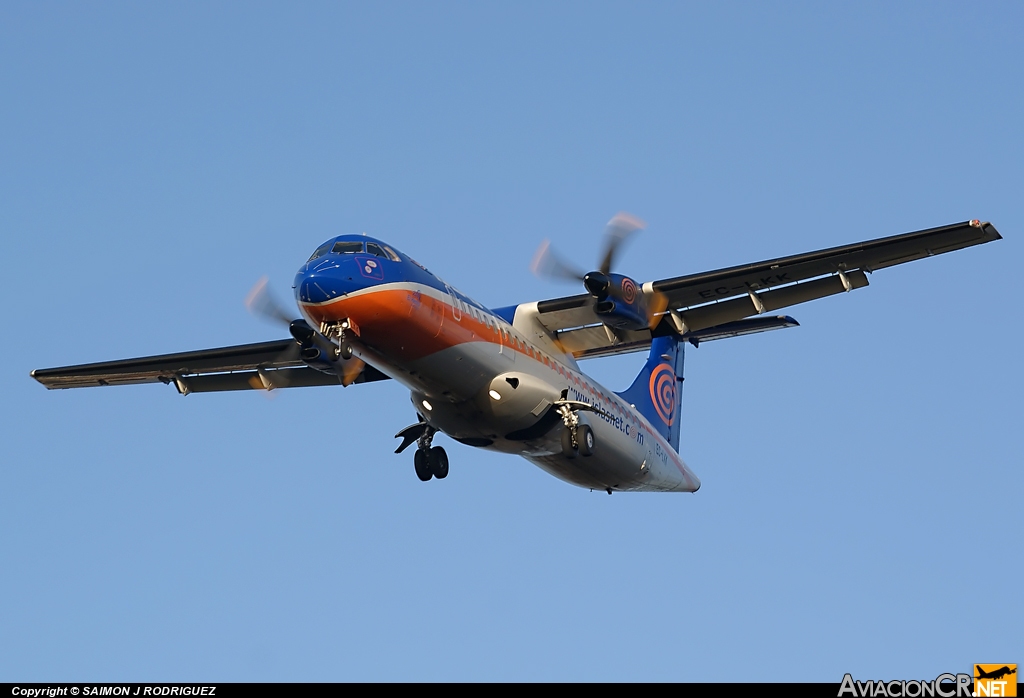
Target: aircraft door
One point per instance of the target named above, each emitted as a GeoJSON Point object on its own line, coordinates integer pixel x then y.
{"type": "Point", "coordinates": [506, 343]}
{"type": "Point", "coordinates": [456, 303]}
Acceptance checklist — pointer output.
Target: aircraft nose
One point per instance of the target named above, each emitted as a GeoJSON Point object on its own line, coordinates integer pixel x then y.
{"type": "Point", "coordinates": [312, 288]}
{"type": "Point", "coordinates": [328, 280]}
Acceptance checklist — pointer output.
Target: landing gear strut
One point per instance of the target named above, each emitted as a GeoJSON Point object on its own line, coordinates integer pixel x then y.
{"type": "Point", "coordinates": [429, 461]}
{"type": "Point", "coordinates": [335, 331]}
{"type": "Point", "coordinates": [576, 436]}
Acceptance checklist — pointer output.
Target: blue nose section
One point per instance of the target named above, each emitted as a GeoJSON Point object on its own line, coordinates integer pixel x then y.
{"type": "Point", "coordinates": [331, 278]}
{"type": "Point", "coordinates": [313, 288]}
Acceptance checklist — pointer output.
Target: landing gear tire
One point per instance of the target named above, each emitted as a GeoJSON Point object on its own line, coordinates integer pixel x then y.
{"type": "Point", "coordinates": [585, 439]}
{"type": "Point", "coordinates": [421, 461]}
{"type": "Point", "coordinates": [345, 352]}
{"type": "Point", "coordinates": [567, 448]}
{"type": "Point", "coordinates": [438, 460]}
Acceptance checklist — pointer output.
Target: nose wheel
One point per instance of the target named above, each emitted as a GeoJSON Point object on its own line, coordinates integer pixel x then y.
{"type": "Point", "coordinates": [430, 463]}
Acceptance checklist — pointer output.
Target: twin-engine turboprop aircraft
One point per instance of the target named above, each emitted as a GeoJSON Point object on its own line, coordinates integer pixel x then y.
{"type": "Point", "coordinates": [507, 379]}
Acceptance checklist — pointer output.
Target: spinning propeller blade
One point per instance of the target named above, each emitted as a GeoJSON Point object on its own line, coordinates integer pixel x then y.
{"type": "Point", "coordinates": [547, 264]}
{"type": "Point", "coordinates": [261, 301]}
{"type": "Point", "coordinates": [620, 228]}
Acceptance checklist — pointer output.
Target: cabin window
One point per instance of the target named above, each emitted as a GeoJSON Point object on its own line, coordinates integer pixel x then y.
{"type": "Point", "coordinates": [347, 247]}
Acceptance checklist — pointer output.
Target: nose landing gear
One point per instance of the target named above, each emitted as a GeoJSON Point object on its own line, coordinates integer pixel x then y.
{"type": "Point", "coordinates": [436, 460]}
{"type": "Point", "coordinates": [429, 461]}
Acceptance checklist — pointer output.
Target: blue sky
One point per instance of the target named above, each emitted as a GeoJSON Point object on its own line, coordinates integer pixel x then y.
{"type": "Point", "coordinates": [861, 473]}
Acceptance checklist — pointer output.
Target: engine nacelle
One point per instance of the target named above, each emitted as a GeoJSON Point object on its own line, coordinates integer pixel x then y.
{"type": "Point", "coordinates": [620, 301]}
{"type": "Point", "coordinates": [314, 349]}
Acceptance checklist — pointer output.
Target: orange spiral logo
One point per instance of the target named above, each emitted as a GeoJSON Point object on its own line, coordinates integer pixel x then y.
{"type": "Point", "coordinates": [663, 392]}
{"type": "Point", "coordinates": [628, 290]}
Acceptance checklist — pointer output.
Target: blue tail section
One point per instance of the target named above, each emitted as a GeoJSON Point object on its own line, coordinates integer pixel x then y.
{"type": "Point", "coordinates": [657, 392]}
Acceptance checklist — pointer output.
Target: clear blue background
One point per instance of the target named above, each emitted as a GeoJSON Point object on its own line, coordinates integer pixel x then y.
{"type": "Point", "coordinates": [861, 474]}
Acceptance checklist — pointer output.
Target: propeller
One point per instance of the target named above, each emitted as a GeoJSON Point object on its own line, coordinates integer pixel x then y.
{"type": "Point", "coordinates": [620, 228]}
{"type": "Point", "coordinates": [262, 302]}
{"type": "Point", "coordinates": [309, 344]}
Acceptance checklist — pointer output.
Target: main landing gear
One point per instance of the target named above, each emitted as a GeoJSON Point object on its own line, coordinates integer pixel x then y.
{"type": "Point", "coordinates": [429, 461]}
{"type": "Point", "coordinates": [581, 442]}
{"type": "Point", "coordinates": [335, 331]}
{"type": "Point", "coordinates": [576, 436]}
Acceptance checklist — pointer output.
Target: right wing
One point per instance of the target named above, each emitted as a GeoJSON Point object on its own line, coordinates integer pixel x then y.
{"type": "Point", "coordinates": [706, 301]}
{"type": "Point", "coordinates": [260, 366]}
{"type": "Point", "coordinates": [869, 256]}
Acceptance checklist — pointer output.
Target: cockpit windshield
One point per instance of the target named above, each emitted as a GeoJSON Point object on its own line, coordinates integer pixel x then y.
{"type": "Point", "coordinates": [320, 251]}
{"type": "Point", "coordinates": [382, 251]}
{"type": "Point", "coordinates": [347, 247]}
{"type": "Point", "coordinates": [355, 247]}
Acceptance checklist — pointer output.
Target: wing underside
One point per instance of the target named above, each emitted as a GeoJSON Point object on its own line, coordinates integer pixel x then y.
{"type": "Point", "coordinates": [260, 366]}
{"type": "Point", "coordinates": [737, 299]}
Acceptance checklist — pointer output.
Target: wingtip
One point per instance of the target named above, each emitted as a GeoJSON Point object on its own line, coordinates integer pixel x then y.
{"type": "Point", "coordinates": [986, 227]}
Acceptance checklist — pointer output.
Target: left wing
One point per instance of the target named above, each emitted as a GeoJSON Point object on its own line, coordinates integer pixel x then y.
{"type": "Point", "coordinates": [260, 366]}
{"type": "Point", "coordinates": [701, 303]}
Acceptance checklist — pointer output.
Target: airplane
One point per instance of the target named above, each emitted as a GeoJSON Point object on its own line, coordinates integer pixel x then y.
{"type": "Point", "coordinates": [996, 674]}
{"type": "Point", "coordinates": [508, 379]}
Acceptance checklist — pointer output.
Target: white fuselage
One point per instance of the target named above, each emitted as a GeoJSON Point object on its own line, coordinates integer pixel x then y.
{"type": "Point", "coordinates": [488, 383]}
